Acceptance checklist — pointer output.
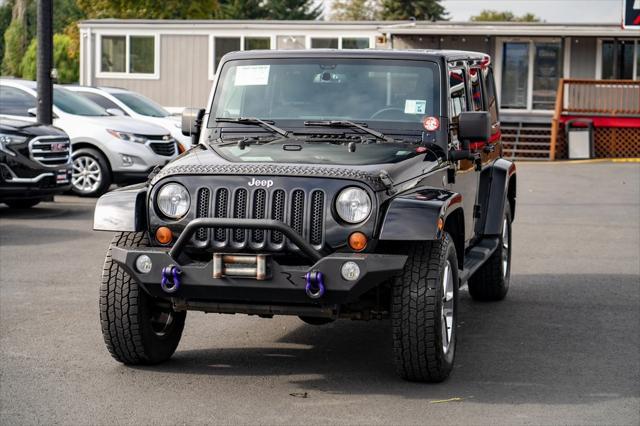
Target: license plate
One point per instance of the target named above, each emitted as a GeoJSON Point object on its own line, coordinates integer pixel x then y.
{"type": "Point", "coordinates": [62, 176]}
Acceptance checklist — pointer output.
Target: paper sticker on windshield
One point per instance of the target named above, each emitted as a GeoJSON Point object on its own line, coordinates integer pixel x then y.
{"type": "Point", "coordinates": [252, 75]}
{"type": "Point", "coordinates": [415, 106]}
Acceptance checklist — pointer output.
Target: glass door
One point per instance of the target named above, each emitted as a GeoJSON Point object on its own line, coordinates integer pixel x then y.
{"type": "Point", "coordinates": [515, 75]}
{"type": "Point", "coordinates": [547, 68]}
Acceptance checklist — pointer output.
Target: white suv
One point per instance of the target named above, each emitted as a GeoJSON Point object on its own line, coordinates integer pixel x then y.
{"type": "Point", "coordinates": [106, 149]}
{"type": "Point", "coordinates": [126, 102]}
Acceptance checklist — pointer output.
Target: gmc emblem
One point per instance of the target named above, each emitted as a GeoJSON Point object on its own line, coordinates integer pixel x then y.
{"type": "Point", "coordinates": [57, 147]}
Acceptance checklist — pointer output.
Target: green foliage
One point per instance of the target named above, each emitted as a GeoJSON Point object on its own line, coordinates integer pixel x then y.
{"type": "Point", "coordinates": [506, 16]}
{"type": "Point", "coordinates": [5, 20]}
{"type": "Point", "coordinates": [14, 48]}
{"type": "Point", "coordinates": [400, 10]}
{"type": "Point", "coordinates": [150, 9]}
{"type": "Point", "coordinates": [63, 61]}
{"type": "Point", "coordinates": [242, 9]}
{"type": "Point", "coordinates": [355, 10]}
{"type": "Point", "coordinates": [297, 10]}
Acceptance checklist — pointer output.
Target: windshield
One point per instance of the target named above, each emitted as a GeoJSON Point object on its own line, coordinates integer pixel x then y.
{"type": "Point", "coordinates": [141, 105]}
{"type": "Point", "coordinates": [72, 103]}
{"type": "Point", "coordinates": [381, 93]}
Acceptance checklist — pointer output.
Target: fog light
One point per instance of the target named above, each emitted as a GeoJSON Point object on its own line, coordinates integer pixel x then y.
{"type": "Point", "coordinates": [350, 271]}
{"type": "Point", "coordinates": [126, 160]}
{"type": "Point", "coordinates": [143, 264]}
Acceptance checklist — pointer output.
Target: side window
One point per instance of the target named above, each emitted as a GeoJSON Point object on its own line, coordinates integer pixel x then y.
{"type": "Point", "coordinates": [99, 99]}
{"type": "Point", "coordinates": [15, 101]}
{"type": "Point", "coordinates": [457, 97]}
{"type": "Point", "coordinates": [490, 93]}
{"type": "Point", "coordinates": [476, 89]}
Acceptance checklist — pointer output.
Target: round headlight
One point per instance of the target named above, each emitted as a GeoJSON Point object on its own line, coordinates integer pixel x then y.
{"type": "Point", "coordinates": [173, 200]}
{"type": "Point", "coordinates": [353, 205]}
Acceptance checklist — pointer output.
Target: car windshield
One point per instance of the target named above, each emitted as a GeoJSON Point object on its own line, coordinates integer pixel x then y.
{"type": "Point", "coordinates": [72, 103]}
{"type": "Point", "coordinates": [142, 105]}
{"type": "Point", "coordinates": [382, 93]}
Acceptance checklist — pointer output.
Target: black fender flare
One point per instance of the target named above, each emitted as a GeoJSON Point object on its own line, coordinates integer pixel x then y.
{"type": "Point", "coordinates": [122, 210]}
{"type": "Point", "coordinates": [415, 215]}
{"type": "Point", "coordinates": [494, 188]}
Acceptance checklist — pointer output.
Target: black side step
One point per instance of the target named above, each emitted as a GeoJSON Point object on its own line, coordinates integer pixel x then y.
{"type": "Point", "coordinates": [476, 256]}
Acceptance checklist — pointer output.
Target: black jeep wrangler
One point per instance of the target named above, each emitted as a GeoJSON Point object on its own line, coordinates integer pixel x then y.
{"type": "Point", "coordinates": [325, 184]}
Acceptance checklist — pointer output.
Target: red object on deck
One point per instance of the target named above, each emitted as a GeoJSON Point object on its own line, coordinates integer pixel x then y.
{"type": "Point", "coordinates": [610, 121]}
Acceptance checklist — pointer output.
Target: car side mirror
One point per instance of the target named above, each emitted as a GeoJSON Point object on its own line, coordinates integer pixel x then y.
{"type": "Point", "coordinates": [192, 121]}
{"type": "Point", "coordinates": [474, 126]}
{"type": "Point", "coordinates": [115, 111]}
{"type": "Point", "coordinates": [32, 112]}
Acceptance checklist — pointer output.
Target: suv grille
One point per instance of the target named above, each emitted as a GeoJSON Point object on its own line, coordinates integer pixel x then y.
{"type": "Point", "coordinates": [260, 203]}
{"type": "Point", "coordinates": [50, 151]}
{"type": "Point", "coordinates": [166, 149]}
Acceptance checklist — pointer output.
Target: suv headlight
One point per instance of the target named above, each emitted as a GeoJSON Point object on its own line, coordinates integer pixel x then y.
{"type": "Point", "coordinates": [173, 200]}
{"type": "Point", "coordinates": [129, 137]}
{"type": "Point", "coordinates": [8, 140]}
{"type": "Point", "coordinates": [353, 205]}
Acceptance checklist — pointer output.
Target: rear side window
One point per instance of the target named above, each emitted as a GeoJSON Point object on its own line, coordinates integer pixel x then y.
{"type": "Point", "coordinates": [15, 101]}
{"type": "Point", "coordinates": [476, 89]}
{"type": "Point", "coordinates": [490, 93]}
{"type": "Point", "coordinates": [458, 93]}
{"type": "Point", "coordinates": [100, 100]}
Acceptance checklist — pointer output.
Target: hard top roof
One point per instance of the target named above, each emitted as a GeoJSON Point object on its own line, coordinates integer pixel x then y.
{"type": "Point", "coordinates": [447, 55]}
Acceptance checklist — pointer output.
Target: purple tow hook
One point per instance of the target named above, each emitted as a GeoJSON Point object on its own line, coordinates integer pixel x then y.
{"type": "Point", "coordinates": [170, 279]}
{"type": "Point", "coordinates": [315, 284]}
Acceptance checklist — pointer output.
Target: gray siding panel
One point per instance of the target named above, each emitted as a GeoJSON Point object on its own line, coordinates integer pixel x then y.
{"type": "Point", "coordinates": [183, 79]}
{"type": "Point", "coordinates": [583, 57]}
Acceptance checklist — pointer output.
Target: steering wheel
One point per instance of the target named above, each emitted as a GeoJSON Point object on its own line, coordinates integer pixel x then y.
{"type": "Point", "coordinates": [384, 111]}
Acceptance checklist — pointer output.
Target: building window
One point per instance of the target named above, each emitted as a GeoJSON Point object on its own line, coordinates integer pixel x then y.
{"type": "Point", "coordinates": [515, 75]}
{"type": "Point", "coordinates": [131, 55]}
{"type": "Point", "coordinates": [113, 50]}
{"type": "Point", "coordinates": [286, 42]}
{"type": "Point", "coordinates": [222, 46]}
{"type": "Point", "coordinates": [546, 72]}
{"type": "Point", "coordinates": [355, 43]}
{"type": "Point", "coordinates": [617, 59]}
{"type": "Point", "coordinates": [324, 43]}
{"type": "Point", "coordinates": [253, 43]}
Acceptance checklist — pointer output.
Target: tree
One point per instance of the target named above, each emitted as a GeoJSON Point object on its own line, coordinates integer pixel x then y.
{"type": "Point", "coordinates": [242, 9]}
{"type": "Point", "coordinates": [356, 10]}
{"type": "Point", "coordinates": [150, 9]}
{"type": "Point", "coordinates": [15, 39]}
{"type": "Point", "coordinates": [496, 16]}
{"type": "Point", "coordinates": [400, 10]}
{"type": "Point", "coordinates": [296, 10]}
{"type": "Point", "coordinates": [5, 21]}
{"type": "Point", "coordinates": [63, 61]}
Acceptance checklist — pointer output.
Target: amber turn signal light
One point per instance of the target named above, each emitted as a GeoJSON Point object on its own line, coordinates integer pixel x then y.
{"type": "Point", "coordinates": [357, 241]}
{"type": "Point", "coordinates": [164, 235]}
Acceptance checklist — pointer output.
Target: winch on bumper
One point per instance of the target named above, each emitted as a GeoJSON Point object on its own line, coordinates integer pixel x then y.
{"type": "Point", "coordinates": [256, 278]}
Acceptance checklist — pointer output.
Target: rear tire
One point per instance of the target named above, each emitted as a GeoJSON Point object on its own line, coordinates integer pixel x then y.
{"type": "Point", "coordinates": [22, 204]}
{"type": "Point", "coordinates": [424, 312]}
{"type": "Point", "coordinates": [135, 329]}
{"type": "Point", "coordinates": [491, 281]}
{"type": "Point", "coordinates": [91, 176]}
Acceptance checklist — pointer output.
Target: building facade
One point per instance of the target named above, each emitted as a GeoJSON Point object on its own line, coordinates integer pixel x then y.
{"type": "Point", "coordinates": [174, 62]}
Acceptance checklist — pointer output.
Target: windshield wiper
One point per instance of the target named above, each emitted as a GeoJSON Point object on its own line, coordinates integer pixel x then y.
{"type": "Point", "coordinates": [349, 124]}
{"type": "Point", "coordinates": [256, 122]}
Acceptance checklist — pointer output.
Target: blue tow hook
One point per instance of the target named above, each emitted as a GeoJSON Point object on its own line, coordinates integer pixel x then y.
{"type": "Point", "coordinates": [170, 279]}
{"type": "Point", "coordinates": [315, 284]}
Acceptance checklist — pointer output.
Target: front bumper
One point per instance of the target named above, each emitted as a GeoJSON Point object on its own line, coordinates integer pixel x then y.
{"type": "Point", "coordinates": [285, 284]}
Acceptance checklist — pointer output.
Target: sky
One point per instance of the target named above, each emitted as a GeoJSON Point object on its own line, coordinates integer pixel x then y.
{"type": "Point", "coordinates": [565, 11]}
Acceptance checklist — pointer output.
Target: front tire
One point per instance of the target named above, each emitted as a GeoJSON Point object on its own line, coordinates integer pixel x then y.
{"type": "Point", "coordinates": [135, 328]}
{"type": "Point", "coordinates": [424, 312]}
{"type": "Point", "coordinates": [491, 281]}
{"type": "Point", "coordinates": [91, 176]}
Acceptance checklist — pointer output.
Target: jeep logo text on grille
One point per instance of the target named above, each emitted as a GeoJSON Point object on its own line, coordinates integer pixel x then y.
{"type": "Point", "coordinates": [266, 183]}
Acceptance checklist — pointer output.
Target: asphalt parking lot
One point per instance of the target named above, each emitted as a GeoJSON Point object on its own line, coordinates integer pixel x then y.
{"type": "Point", "coordinates": [563, 348]}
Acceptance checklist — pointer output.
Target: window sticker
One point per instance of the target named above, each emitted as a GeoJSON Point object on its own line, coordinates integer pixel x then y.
{"type": "Point", "coordinates": [252, 75]}
{"type": "Point", "coordinates": [415, 106]}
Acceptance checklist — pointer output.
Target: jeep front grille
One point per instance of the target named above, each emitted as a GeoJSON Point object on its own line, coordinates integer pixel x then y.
{"type": "Point", "coordinates": [50, 151]}
{"type": "Point", "coordinates": [290, 207]}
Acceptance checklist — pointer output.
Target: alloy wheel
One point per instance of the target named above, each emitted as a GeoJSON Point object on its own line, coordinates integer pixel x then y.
{"type": "Point", "coordinates": [447, 307]}
{"type": "Point", "coordinates": [87, 174]}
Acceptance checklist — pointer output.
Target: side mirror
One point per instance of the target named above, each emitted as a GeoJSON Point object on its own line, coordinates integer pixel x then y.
{"type": "Point", "coordinates": [32, 112]}
{"type": "Point", "coordinates": [192, 121]}
{"type": "Point", "coordinates": [116, 111]}
{"type": "Point", "coordinates": [474, 127]}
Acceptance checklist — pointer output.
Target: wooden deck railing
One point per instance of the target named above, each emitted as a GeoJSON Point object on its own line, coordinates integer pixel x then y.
{"type": "Point", "coordinates": [594, 98]}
